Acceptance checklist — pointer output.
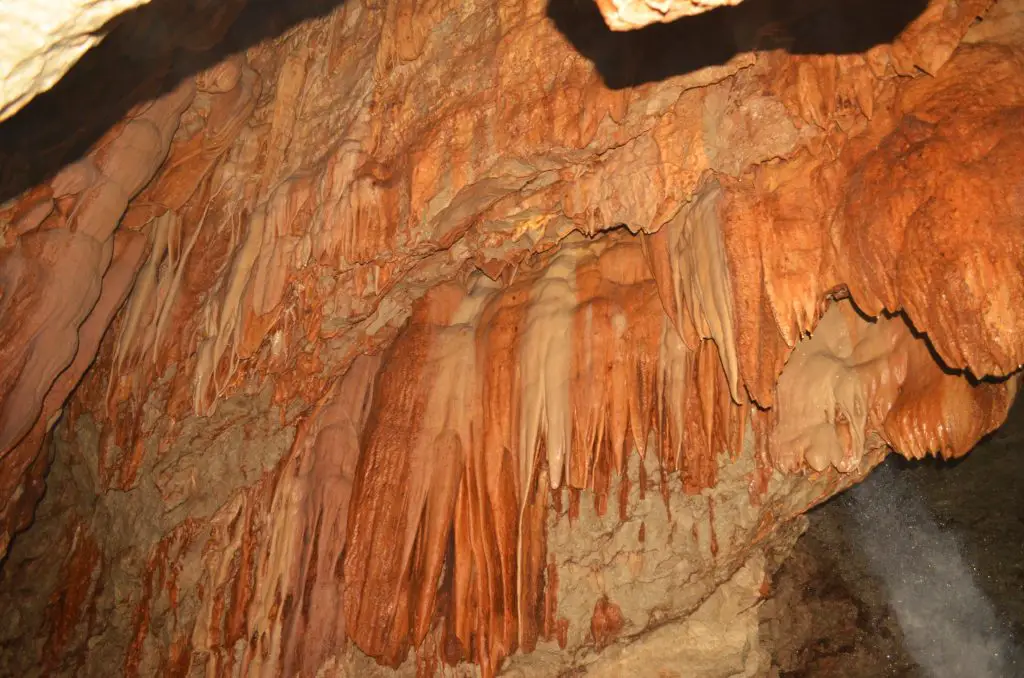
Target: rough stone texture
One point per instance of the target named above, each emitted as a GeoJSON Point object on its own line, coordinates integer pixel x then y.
{"type": "Point", "coordinates": [377, 319]}
{"type": "Point", "coordinates": [41, 39]}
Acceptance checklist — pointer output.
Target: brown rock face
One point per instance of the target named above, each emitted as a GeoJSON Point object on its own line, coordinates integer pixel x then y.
{"type": "Point", "coordinates": [372, 337]}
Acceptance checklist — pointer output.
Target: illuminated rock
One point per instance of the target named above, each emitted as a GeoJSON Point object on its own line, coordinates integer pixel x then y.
{"type": "Point", "coordinates": [360, 344]}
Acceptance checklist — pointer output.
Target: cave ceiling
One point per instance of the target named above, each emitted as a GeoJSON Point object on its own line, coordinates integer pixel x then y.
{"type": "Point", "coordinates": [320, 321]}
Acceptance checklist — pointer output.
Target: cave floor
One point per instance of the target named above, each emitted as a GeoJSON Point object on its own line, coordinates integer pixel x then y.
{"type": "Point", "coordinates": [917, 572]}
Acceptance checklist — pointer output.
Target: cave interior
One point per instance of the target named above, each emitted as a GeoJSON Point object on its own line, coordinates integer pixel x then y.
{"type": "Point", "coordinates": [673, 338]}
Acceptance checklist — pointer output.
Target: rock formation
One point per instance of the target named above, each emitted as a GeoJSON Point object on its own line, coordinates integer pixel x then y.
{"type": "Point", "coordinates": [343, 337]}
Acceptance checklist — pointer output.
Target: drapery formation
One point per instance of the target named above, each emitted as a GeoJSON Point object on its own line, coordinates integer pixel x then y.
{"type": "Point", "coordinates": [334, 323]}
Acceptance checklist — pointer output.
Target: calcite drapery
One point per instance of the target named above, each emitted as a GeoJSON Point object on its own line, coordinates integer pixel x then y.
{"type": "Point", "coordinates": [462, 435]}
{"type": "Point", "coordinates": [54, 322]}
{"type": "Point", "coordinates": [459, 433]}
{"type": "Point", "coordinates": [366, 186]}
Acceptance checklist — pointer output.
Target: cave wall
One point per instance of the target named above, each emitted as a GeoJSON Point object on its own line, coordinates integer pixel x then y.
{"type": "Point", "coordinates": [343, 342]}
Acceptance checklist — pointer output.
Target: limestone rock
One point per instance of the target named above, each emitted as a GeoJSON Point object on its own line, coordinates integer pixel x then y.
{"type": "Point", "coordinates": [411, 334]}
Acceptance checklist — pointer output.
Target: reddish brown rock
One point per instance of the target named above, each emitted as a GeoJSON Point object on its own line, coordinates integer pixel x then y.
{"type": "Point", "coordinates": [625, 15]}
{"type": "Point", "coordinates": [606, 624]}
{"type": "Point", "coordinates": [343, 334]}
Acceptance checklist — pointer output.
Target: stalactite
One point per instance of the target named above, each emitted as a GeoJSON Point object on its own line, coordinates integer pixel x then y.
{"type": "Point", "coordinates": [595, 367]}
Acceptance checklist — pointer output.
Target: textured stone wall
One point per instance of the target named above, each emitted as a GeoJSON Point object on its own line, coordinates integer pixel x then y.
{"type": "Point", "coordinates": [331, 331]}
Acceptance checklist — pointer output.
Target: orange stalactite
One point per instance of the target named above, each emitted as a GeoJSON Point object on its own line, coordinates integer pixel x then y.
{"type": "Point", "coordinates": [370, 321]}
